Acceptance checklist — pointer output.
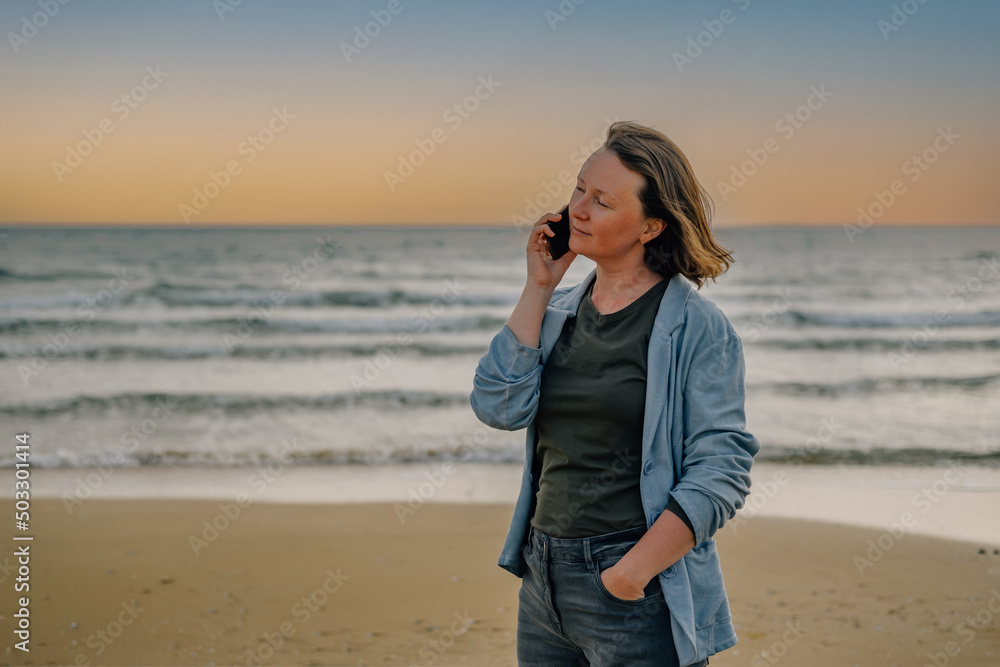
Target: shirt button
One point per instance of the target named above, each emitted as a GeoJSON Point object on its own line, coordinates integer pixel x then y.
{"type": "Point", "coordinates": [648, 468]}
{"type": "Point", "coordinates": [670, 571]}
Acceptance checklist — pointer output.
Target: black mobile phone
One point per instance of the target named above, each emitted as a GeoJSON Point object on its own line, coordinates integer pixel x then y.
{"type": "Point", "coordinates": [559, 244]}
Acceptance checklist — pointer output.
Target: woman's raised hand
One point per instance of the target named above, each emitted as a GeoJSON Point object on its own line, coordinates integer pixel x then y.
{"type": "Point", "coordinates": [544, 274]}
{"type": "Point", "coordinates": [543, 271]}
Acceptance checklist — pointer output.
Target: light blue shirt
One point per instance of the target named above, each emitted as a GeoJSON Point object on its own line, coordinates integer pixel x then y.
{"type": "Point", "coordinates": [695, 446]}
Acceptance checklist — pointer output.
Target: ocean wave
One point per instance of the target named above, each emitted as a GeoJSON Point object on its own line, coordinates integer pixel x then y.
{"type": "Point", "coordinates": [287, 350]}
{"type": "Point", "coordinates": [255, 352]}
{"type": "Point", "coordinates": [170, 458]}
{"type": "Point", "coordinates": [908, 456]}
{"type": "Point", "coordinates": [172, 295]}
{"type": "Point", "coordinates": [452, 451]}
{"type": "Point", "coordinates": [141, 403]}
{"type": "Point", "coordinates": [987, 318]}
{"type": "Point", "coordinates": [868, 386]}
{"type": "Point", "coordinates": [873, 344]}
{"type": "Point", "coordinates": [417, 322]}
{"type": "Point", "coordinates": [51, 276]}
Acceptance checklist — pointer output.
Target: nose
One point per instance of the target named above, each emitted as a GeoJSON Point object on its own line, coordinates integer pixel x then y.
{"type": "Point", "coordinates": [578, 210]}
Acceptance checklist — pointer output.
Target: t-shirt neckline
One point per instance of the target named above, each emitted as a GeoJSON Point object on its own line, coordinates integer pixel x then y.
{"type": "Point", "coordinates": [622, 312]}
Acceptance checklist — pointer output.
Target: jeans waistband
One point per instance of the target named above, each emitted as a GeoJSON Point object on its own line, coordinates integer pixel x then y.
{"type": "Point", "coordinates": [582, 549]}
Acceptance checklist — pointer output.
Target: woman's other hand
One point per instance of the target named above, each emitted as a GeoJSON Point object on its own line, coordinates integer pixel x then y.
{"type": "Point", "coordinates": [620, 585]}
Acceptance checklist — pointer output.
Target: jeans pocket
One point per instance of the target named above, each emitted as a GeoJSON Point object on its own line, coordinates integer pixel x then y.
{"type": "Point", "coordinates": [653, 592]}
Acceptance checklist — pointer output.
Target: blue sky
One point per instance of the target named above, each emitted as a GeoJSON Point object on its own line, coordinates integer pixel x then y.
{"type": "Point", "coordinates": [560, 82]}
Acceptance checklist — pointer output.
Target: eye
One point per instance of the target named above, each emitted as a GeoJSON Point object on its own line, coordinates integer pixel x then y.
{"type": "Point", "coordinates": [599, 202]}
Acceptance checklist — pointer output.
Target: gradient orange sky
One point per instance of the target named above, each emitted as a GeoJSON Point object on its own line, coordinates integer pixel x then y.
{"type": "Point", "coordinates": [790, 112]}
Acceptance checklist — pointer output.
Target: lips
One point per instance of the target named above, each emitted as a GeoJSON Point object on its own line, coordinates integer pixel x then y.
{"type": "Point", "coordinates": [577, 231]}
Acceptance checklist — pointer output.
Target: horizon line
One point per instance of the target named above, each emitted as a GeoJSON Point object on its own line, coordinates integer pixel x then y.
{"type": "Point", "coordinates": [487, 225]}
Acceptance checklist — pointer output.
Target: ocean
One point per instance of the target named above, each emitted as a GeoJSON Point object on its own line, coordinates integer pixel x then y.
{"type": "Point", "coordinates": [357, 345]}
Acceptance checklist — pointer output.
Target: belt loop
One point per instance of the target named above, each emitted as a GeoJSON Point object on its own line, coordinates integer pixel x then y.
{"type": "Point", "coordinates": [586, 554]}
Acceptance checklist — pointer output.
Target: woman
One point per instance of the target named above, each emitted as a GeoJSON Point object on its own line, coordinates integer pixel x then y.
{"type": "Point", "coordinates": [631, 387]}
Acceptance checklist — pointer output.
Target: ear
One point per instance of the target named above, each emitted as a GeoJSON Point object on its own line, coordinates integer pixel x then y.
{"type": "Point", "coordinates": [654, 227]}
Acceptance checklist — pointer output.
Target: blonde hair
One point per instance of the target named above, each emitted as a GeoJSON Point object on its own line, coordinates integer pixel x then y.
{"type": "Point", "coordinates": [672, 194]}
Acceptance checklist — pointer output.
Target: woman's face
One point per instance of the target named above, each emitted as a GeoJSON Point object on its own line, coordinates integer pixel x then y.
{"type": "Point", "coordinates": [606, 219]}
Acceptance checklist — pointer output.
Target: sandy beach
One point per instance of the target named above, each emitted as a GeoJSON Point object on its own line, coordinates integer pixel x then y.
{"type": "Point", "coordinates": [118, 582]}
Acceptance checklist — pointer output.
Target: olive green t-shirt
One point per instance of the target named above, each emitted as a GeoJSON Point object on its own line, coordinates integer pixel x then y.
{"type": "Point", "coordinates": [590, 412]}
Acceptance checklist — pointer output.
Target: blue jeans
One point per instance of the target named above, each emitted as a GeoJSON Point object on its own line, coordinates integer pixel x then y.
{"type": "Point", "coordinates": [567, 617]}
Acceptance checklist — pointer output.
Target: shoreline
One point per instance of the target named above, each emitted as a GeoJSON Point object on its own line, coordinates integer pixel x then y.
{"type": "Point", "coordinates": [122, 582]}
{"type": "Point", "coordinates": [946, 502]}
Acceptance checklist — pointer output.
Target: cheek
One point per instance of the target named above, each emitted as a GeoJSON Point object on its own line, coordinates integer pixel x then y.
{"type": "Point", "coordinates": [615, 227]}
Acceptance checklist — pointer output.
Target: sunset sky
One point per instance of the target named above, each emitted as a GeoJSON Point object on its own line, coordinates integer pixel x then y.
{"type": "Point", "coordinates": [194, 112]}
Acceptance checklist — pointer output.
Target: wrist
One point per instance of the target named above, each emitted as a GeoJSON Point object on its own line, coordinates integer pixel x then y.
{"type": "Point", "coordinates": [534, 290]}
{"type": "Point", "coordinates": [631, 574]}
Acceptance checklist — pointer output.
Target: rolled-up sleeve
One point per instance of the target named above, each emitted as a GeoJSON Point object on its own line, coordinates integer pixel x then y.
{"type": "Point", "coordinates": [718, 451]}
{"type": "Point", "coordinates": [506, 384]}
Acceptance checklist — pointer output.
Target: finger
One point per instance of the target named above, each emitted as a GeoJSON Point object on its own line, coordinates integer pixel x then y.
{"type": "Point", "coordinates": [547, 218]}
{"type": "Point", "coordinates": [544, 243]}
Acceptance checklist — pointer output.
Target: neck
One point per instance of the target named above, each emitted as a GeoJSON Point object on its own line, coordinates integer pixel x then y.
{"type": "Point", "coordinates": [615, 283]}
